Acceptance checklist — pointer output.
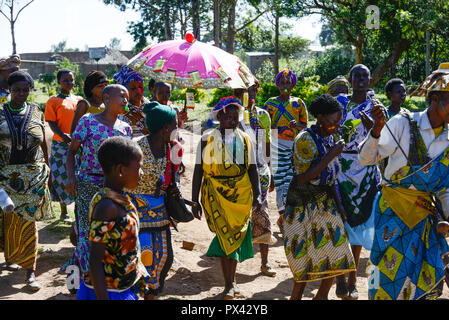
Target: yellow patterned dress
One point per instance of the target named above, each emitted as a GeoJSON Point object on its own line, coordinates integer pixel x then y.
{"type": "Point", "coordinates": [315, 241]}
{"type": "Point", "coordinates": [226, 194]}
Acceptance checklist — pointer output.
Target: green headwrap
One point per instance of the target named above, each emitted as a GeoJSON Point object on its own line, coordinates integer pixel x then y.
{"type": "Point", "coordinates": [158, 115]}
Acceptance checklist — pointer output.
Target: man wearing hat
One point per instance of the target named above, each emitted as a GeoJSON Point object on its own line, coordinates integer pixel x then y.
{"type": "Point", "coordinates": [409, 250]}
{"type": "Point", "coordinates": [7, 66]}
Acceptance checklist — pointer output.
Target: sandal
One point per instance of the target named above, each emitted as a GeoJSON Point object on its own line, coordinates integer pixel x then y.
{"type": "Point", "coordinates": [33, 284]}
{"type": "Point", "coordinates": [341, 291]}
{"type": "Point", "coordinates": [236, 289]}
{"type": "Point", "coordinates": [12, 267]}
{"type": "Point", "coordinates": [353, 294]}
{"type": "Point", "coordinates": [267, 270]}
{"type": "Point", "coordinates": [229, 294]}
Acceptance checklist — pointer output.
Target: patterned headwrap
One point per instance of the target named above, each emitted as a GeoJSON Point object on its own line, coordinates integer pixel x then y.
{"type": "Point", "coordinates": [286, 73]}
{"type": "Point", "coordinates": [158, 115]}
{"type": "Point", "coordinates": [126, 75]}
{"type": "Point", "coordinates": [334, 83]}
{"type": "Point", "coordinates": [436, 81]}
{"type": "Point", "coordinates": [10, 62]}
{"type": "Point", "coordinates": [223, 103]}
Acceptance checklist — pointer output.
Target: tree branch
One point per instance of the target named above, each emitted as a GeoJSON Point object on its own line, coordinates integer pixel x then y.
{"type": "Point", "coordinates": [17, 15]}
{"type": "Point", "coordinates": [251, 21]}
{"type": "Point", "coordinates": [5, 15]}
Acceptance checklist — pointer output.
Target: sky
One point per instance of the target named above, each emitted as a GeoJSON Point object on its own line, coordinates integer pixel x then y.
{"type": "Point", "coordinates": [87, 22]}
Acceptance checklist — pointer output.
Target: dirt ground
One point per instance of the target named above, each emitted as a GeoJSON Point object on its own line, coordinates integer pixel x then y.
{"type": "Point", "coordinates": [193, 276]}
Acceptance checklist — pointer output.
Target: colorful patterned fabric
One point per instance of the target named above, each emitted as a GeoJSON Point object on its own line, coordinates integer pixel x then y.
{"type": "Point", "coordinates": [91, 133]}
{"type": "Point", "coordinates": [84, 194]}
{"type": "Point", "coordinates": [24, 146]}
{"type": "Point", "coordinates": [153, 170]}
{"type": "Point", "coordinates": [136, 120]}
{"type": "Point", "coordinates": [282, 113]}
{"type": "Point", "coordinates": [315, 241]}
{"type": "Point", "coordinates": [155, 234]}
{"type": "Point", "coordinates": [157, 256]}
{"type": "Point", "coordinates": [4, 96]}
{"type": "Point", "coordinates": [358, 184]}
{"type": "Point", "coordinates": [20, 241]}
{"type": "Point", "coordinates": [244, 252]}
{"type": "Point", "coordinates": [226, 192]}
{"type": "Point", "coordinates": [61, 109]}
{"type": "Point", "coordinates": [259, 131]}
{"type": "Point", "coordinates": [122, 265]}
{"type": "Point", "coordinates": [281, 158]}
{"type": "Point", "coordinates": [23, 173]}
{"type": "Point", "coordinates": [407, 257]}
{"type": "Point", "coordinates": [58, 158]}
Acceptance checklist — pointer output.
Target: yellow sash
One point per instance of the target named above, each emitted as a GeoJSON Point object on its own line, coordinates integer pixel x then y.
{"type": "Point", "coordinates": [412, 206]}
{"type": "Point", "coordinates": [226, 194]}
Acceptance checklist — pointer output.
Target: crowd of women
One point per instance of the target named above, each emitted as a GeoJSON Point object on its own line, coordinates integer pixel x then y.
{"type": "Point", "coordinates": [363, 175]}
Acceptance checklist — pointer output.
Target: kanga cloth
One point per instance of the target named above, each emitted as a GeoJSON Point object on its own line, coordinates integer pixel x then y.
{"type": "Point", "coordinates": [407, 250]}
{"type": "Point", "coordinates": [258, 127]}
{"type": "Point", "coordinates": [20, 241]}
{"type": "Point", "coordinates": [58, 160]}
{"type": "Point", "coordinates": [358, 184]}
{"type": "Point", "coordinates": [315, 240]}
{"type": "Point", "coordinates": [122, 264]}
{"type": "Point", "coordinates": [226, 192]}
{"type": "Point", "coordinates": [85, 192]}
{"type": "Point", "coordinates": [281, 115]}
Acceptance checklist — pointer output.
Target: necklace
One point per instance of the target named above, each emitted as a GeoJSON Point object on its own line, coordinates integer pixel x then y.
{"type": "Point", "coordinates": [16, 110]}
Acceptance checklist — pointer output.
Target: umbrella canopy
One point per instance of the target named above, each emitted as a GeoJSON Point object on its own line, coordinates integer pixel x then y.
{"type": "Point", "coordinates": [192, 64]}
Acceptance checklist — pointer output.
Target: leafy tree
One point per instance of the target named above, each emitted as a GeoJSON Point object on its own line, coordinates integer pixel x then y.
{"type": "Point", "coordinates": [401, 24]}
{"type": "Point", "coordinates": [62, 47]}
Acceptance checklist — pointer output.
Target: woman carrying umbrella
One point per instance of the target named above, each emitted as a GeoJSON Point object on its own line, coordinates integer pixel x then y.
{"type": "Point", "coordinates": [288, 117]}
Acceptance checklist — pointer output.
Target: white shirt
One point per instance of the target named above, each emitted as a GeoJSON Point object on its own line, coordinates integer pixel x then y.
{"type": "Point", "coordinates": [372, 150]}
{"type": "Point", "coordinates": [5, 200]}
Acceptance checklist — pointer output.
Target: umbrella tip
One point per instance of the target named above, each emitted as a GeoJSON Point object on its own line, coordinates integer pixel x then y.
{"type": "Point", "coordinates": [190, 37]}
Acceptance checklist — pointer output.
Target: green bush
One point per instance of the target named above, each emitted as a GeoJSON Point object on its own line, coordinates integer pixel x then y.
{"type": "Point", "coordinates": [219, 93]}
{"type": "Point", "coordinates": [180, 94]}
{"type": "Point", "coordinates": [307, 90]}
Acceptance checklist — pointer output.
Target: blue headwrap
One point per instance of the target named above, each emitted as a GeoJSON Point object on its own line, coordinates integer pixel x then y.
{"type": "Point", "coordinates": [126, 75]}
{"type": "Point", "coordinates": [286, 73]}
{"type": "Point", "coordinates": [223, 103]}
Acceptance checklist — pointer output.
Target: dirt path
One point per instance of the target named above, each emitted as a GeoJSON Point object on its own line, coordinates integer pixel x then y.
{"type": "Point", "coordinates": [193, 276]}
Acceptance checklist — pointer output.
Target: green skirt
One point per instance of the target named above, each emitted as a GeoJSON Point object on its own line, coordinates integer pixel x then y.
{"type": "Point", "coordinates": [244, 252]}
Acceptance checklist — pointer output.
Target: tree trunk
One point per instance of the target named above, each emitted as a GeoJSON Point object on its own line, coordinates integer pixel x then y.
{"type": "Point", "coordinates": [13, 37]}
{"type": "Point", "coordinates": [217, 23]}
{"type": "Point", "coordinates": [196, 19]}
{"type": "Point", "coordinates": [276, 43]}
{"type": "Point", "coordinates": [230, 37]}
{"type": "Point", "coordinates": [397, 49]}
{"type": "Point", "coordinates": [167, 27]}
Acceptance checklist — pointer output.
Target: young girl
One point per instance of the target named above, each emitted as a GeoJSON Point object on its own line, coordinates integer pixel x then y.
{"type": "Point", "coordinates": [226, 173]}
{"type": "Point", "coordinates": [94, 84]}
{"type": "Point", "coordinates": [115, 271]}
{"type": "Point", "coordinates": [59, 112]}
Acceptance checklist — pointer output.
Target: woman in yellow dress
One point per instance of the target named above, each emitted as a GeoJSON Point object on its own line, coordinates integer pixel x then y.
{"type": "Point", "coordinates": [226, 174]}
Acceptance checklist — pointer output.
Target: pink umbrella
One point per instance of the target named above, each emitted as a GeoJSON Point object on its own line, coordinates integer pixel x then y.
{"type": "Point", "coordinates": [192, 64]}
